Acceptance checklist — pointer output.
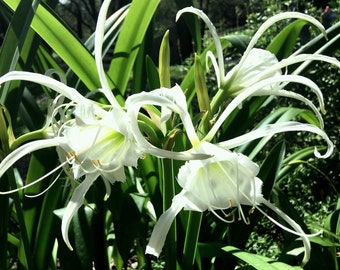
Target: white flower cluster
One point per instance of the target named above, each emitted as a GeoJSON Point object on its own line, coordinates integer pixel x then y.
{"type": "Point", "coordinates": [99, 142]}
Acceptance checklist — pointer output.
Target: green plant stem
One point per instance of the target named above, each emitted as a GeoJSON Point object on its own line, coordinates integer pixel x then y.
{"type": "Point", "coordinates": [168, 194]}
{"type": "Point", "coordinates": [34, 135]}
{"type": "Point", "coordinates": [191, 239]}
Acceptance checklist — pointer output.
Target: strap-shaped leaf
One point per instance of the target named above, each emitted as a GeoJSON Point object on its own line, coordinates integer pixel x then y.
{"type": "Point", "coordinates": [258, 261]}
{"type": "Point", "coordinates": [283, 44]}
{"type": "Point", "coordinates": [129, 41]}
{"type": "Point", "coordinates": [64, 43]}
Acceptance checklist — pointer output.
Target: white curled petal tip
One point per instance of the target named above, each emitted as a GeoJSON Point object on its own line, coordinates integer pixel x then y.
{"type": "Point", "coordinates": [161, 229]}
{"type": "Point", "coordinates": [44, 80]}
{"type": "Point", "coordinates": [297, 230]}
{"type": "Point", "coordinates": [74, 204]}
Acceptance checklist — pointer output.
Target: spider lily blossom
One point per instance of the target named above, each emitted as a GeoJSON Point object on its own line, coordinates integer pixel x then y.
{"type": "Point", "coordinates": [94, 142]}
{"type": "Point", "coordinates": [223, 179]}
{"type": "Point", "coordinates": [255, 64]}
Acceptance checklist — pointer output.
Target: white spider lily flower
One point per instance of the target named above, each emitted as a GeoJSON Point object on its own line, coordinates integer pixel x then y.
{"type": "Point", "coordinates": [94, 142]}
{"type": "Point", "coordinates": [255, 64]}
{"type": "Point", "coordinates": [223, 181]}
{"type": "Point", "coordinates": [96, 146]}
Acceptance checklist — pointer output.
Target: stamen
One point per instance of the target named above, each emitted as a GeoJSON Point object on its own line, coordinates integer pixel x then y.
{"type": "Point", "coordinates": [251, 211]}
{"type": "Point", "coordinates": [76, 157]}
{"type": "Point", "coordinates": [227, 214]}
{"type": "Point", "coordinates": [230, 215]}
{"type": "Point", "coordinates": [68, 156]}
{"type": "Point", "coordinates": [230, 203]}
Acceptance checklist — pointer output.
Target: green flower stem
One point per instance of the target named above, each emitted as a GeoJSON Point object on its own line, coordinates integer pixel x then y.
{"type": "Point", "coordinates": [34, 135]}
{"type": "Point", "coordinates": [168, 194]}
{"type": "Point", "coordinates": [191, 239]}
{"type": "Point", "coordinates": [220, 97]}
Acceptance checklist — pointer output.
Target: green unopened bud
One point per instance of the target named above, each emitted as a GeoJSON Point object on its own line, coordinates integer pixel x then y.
{"type": "Point", "coordinates": [164, 61]}
{"type": "Point", "coordinates": [202, 96]}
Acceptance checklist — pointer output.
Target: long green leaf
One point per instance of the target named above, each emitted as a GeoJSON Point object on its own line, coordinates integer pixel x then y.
{"type": "Point", "coordinates": [258, 261]}
{"type": "Point", "coordinates": [16, 35]}
{"type": "Point", "coordinates": [47, 229]}
{"type": "Point", "coordinates": [283, 44]}
{"type": "Point", "coordinates": [64, 43]}
{"type": "Point", "coordinates": [129, 41]}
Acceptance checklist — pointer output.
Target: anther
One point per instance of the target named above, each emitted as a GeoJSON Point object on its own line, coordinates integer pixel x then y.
{"type": "Point", "coordinates": [99, 163]}
{"type": "Point", "coordinates": [230, 203]}
{"type": "Point", "coordinates": [251, 211]}
{"type": "Point", "coordinates": [68, 156]}
{"type": "Point", "coordinates": [76, 157]}
{"type": "Point", "coordinates": [230, 215]}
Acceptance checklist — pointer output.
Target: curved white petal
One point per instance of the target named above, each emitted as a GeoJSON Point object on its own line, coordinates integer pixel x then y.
{"type": "Point", "coordinates": [271, 129]}
{"type": "Point", "coordinates": [211, 56]}
{"type": "Point", "coordinates": [77, 200]}
{"type": "Point", "coordinates": [274, 19]}
{"type": "Point", "coordinates": [294, 59]}
{"type": "Point", "coordinates": [25, 149]}
{"type": "Point", "coordinates": [306, 58]}
{"type": "Point", "coordinates": [161, 229]}
{"type": "Point", "coordinates": [213, 32]}
{"type": "Point", "coordinates": [297, 229]}
{"type": "Point", "coordinates": [49, 82]}
{"type": "Point", "coordinates": [100, 28]}
{"type": "Point", "coordinates": [171, 99]}
{"type": "Point", "coordinates": [290, 94]}
{"type": "Point", "coordinates": [250, 91]}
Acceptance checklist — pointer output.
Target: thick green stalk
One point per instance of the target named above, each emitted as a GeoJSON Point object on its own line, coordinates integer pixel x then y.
{"type": "Point", "coordinates": [191, 240]}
